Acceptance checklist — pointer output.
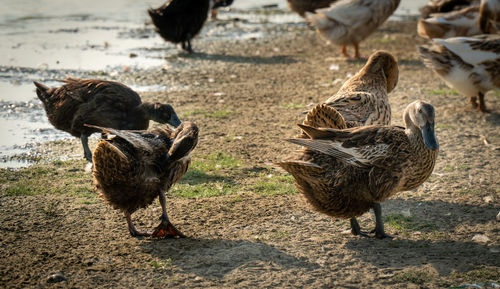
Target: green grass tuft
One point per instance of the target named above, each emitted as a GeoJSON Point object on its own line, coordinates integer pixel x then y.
{"type": "Point", "coordinates": [403, 223]}
{"type": "Point", "coordinates": [443, 92]}
{"type": "Point", "coordinates": [415, 276]}
{"type": "Point", "coordinates": [275, 185]}
{"type": "Point", "coordinates": [204, 190]}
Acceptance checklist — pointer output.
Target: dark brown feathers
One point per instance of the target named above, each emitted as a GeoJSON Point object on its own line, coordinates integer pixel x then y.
{"type": "Point", "coordinates": [131, 169]}
{"type": "Point", "coordinates": [302, 6]}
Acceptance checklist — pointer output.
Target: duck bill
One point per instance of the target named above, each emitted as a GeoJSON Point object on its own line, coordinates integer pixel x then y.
{"type": "Point", "coordinates": [174, 120]}
{"type": "Point", "coordinates": [429, 136]}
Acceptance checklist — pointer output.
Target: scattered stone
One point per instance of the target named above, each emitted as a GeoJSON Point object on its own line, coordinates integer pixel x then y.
{"type": "Point", "coordinates": [488, 199]}
{"type": "Point", "coordinates": [55, 277]}
{"type": "Point", "coordinates": [480, 238]}
{"type": "Point", "coordinates": [132, 55]}
{"type": "Point", "coordinates": [334, 67]}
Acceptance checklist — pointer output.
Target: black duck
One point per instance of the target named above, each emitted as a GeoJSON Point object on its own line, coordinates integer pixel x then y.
{"type": "Point", "coordinates": [178, 21]}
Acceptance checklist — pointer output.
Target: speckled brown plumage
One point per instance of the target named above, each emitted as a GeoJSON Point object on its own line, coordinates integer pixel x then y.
{"type": "Point", "coordinates": [178, 21]}
{"type": "Point", "coordinates": [135, 167]}
{"type": "Point", "coordinates": [443, 6]}
{"type": "Point", "coordinates": [363, 100]}
{"type": "Point", "coordinates": [302, 6]}
{"type": "Point", "coordinates": [101, 103]}
{"type": "Point", "coordinates": [344, 173]}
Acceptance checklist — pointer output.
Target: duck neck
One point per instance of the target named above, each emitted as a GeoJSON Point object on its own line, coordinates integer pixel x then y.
{"type": "Point", "coordinates": [150, 110]}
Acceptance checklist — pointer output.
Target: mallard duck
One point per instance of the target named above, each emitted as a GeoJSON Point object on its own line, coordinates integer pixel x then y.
{"type": "Point", "coordinates": [348, 22]}
{"type": "Point", "coordinates": [133, 168]}
{"type": "Point", "coordinates": [344, 173]}
{"type": "Point", "coordinates": [467, 64]}
{"type": "Point", "coordinates": [302, 6]}
{"type": "Point", "coordinates": [362, 100]}
{"type": "Point", "coordinates": [99, 102]}
{"type": "Point", "coordinates": [489, 15]}
{"type": "Point", "coordinates": [443, 6]}
{"type": "Point", "coordinates": [178, 21]}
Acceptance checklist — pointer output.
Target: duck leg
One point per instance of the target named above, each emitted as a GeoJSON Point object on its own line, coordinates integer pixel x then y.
{"type": "Point", "coordinates": [379, 223]}
{"type": "Point", "coordinates": [356, 229]}
{"type": "Point", "coordinates": [86, 151]}
{"type": "Point", "coordinates": [188, 48]}
{"type": "Point", "coordinates": [344, 51]}
{"type": "Point", "coordinates": [473, 101]}
{"type": "Point", "coordinates": [482, 105]}
{"type": "Point", "coordinates": [131, 228]}
{"type": "Point", "coordinates": [166, 229]}
{"type": "Point", "coordinates": [356, 50]}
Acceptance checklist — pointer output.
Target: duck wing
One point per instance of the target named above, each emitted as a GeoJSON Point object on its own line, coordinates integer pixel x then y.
{"type": "Point", "coordinates": [348, 12]}
{"type": "Point", "coordinates": [473, 50]}
{"type": "Point", "coordinates": [185, 140]}
{"type": "Point", "coordinates": [372, 146]}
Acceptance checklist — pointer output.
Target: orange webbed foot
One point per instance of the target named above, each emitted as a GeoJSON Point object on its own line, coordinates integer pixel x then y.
{"type": "Point", "coordinates": [167, 230]}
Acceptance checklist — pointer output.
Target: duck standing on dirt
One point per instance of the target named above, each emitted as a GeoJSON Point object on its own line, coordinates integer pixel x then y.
{"type": "Point", "coordinates": [178, 21]}
{"type": "Point", "coordinates": [344, 173]}
{"type": "Point", "coordinates": [348, 22]}
{"type": "Point", "coordinates": [467, 64]}
{"type": "Point", "coordinates": [102, 103]}
{"type": "Point", "coordinates": [302, 6]}
{"type": "Point", "coordinates": [134, 167]}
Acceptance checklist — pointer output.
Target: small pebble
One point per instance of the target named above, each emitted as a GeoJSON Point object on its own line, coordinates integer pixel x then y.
{"type": "Point", "coordinates": [498, 217]}
{"type": "Point", "coordinates": [480, 238]}
{"type": "Point", "coordinates": [55, 277]}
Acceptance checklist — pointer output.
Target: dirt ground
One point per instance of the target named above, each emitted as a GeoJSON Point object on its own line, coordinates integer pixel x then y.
{"type": "Point", "coordinates": [246, 97]}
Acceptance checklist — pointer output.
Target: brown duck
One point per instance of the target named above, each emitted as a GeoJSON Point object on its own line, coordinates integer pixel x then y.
{"type": "Point", "coordinates": [101, 103]}
{"type": "Point", "coordinates": [133, 168]}
{"type": "Point", "coordinates": [344, 173]}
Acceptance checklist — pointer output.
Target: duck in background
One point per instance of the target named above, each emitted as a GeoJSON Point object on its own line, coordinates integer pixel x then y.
{"type": "Point", "coordinates": [348, 22]}
{"type": "Point", "coordinates": [456, 23]}
{"type": "Point", "coordinates": [467, 64]}
{"type": "Point", "coordinates": [443, 6]}
{"type": "Point", "coordinates": [302, 6]}
{"type": "Point", "coordinates": [178, 21]}
{"type": "Point", "coordinates": [134, 167]}
{"type": "Point", "coordinates": [489, 14]}
{"type": "Point", "coordinates": [214, 4]}
{"type": "Point", "coordinates": [101, 103]}
{"type": "Point", "coordinates": [344, 173]}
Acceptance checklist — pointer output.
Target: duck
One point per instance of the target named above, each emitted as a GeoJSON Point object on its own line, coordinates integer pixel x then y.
{"type": "Point", "coordinates": [99, 102]}
{"type": "Point", "coordinates": [456, 23]}
{"type": "Point", "coordinates": [362, 99]}
{"type": "Point", "coordinates": [443, 6]}
{"type": "Point", "coordinates": [489, 15]}
{"type": "Point", "coordinates": [302, 6]}
{"type": "Point", "coordinates": [178, 21]}
{"type": "Point", "coordinates": [467, 64]}
{"type": "Point", "coordinates": [135, 167]}
{"type": "Point", "coordinates": [348, 22]}
{"type": "Point", "coordinates": [346, 172]}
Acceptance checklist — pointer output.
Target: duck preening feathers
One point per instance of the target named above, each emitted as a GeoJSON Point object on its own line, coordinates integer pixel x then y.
{"type": "Point", "coordinates": [178, 21]}
{"type": "Point", "coordinates": [467, 64]}
{"type": "Point", "coordinates": [134, 167]}
{"type": "Point", "coordinates": [348, 22]}
{"type": "Point", "coordinates": [345, 172]}
{"type": "Point", "coordinates": [101, 103]}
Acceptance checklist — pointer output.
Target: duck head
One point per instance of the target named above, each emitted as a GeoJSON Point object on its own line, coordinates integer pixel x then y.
{"type": "Point", "coordinates": [419, 116]}
{"type": "Point", "coordinates": [383, 62]}
{"type": "Point", "coordinates": [163, 113]}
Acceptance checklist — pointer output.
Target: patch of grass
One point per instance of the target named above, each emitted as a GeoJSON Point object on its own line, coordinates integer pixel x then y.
{"type": "Point", "coordinates": [443, 92]}
{"type": "Point", "coordinates": [403, 223]}
{"type": "Point", "coordinates": [293, 105]}
{"type": "Point", "coordinates": [451, 168]}
{"type": "Point", "coordinates": [204, 190]}
{"type": "Point", "coordinates": [215, 161]}
{"type": "Point", "coordinates": [444, 126]}
{"type": "Point", "coordinates": [468, 191]}
{"type": "Point", "coordinates": [482, 275]}
{"type": "Point", "coordinates": [419, 277]}
{"type": "Point", "coordinates": [161, 263]}
{"type": "Point", "coordinates": [275, 185]}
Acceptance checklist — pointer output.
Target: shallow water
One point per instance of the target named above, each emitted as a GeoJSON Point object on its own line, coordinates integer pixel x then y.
{"type": "Point", "coordinates": [48, 40]}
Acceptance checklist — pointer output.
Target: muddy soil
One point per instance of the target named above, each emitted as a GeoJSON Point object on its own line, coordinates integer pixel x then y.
{"type": "Point", "coordinates": [260, 88]}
